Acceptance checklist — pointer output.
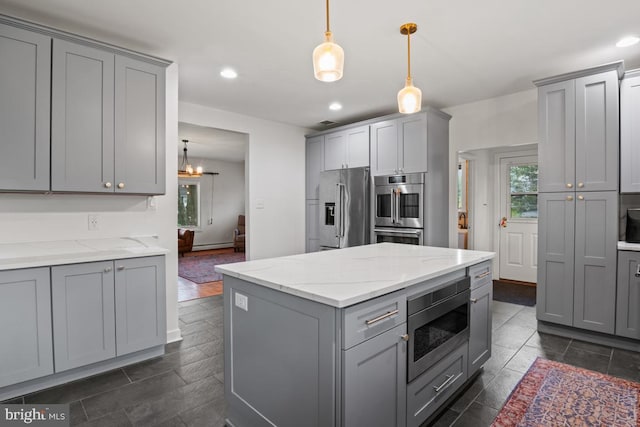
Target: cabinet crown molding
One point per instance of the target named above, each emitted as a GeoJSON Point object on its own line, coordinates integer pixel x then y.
{"type": "Point", "coordinates": [617, 66]}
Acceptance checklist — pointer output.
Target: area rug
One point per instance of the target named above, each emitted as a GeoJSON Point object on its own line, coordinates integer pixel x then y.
{"type": "Point", "coordinates": [554, 394]}
{"type": "Point", "coordinates": [514, 293]}
{"type": "Point", "coordinates": [200, 269]}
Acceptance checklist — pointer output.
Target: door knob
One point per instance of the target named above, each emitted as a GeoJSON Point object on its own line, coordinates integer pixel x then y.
{"type": "Point", "coordinates": [121, 185]}
{"type": "Point", "coordinates": [503, 222]}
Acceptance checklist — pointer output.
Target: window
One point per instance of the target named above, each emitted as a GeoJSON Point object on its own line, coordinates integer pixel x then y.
{"type": "Point", "coordinates": [523, 190]}
{"type": "Point", "coordinates": [462, 186]}
{"type": "Point", "coordinates": [189, 205]}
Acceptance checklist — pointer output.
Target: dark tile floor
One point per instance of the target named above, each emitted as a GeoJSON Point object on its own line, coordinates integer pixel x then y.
{"type": "Point", "coordinates": [185, 387]}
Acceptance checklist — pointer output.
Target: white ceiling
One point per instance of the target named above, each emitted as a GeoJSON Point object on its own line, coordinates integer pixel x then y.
{"type": "Point", "coordinates": [209, 143]}
{"type": "Point", "coordinates": [464, 50]}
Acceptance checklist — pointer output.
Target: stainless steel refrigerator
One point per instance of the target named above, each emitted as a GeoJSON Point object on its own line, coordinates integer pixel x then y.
{"type": "Point", "coordinates": [344, 208]}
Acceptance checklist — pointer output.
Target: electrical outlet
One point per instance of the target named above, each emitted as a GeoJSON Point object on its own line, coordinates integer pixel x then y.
{"type": "Point", "coordinates": [93, 222]}
{"type": "Point", "coordinates": [151, 203]}
{"type": "Point", "coordinates": [242, 302]}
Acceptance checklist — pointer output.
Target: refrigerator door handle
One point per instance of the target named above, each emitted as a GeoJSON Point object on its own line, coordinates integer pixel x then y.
{"type": "Point", "coordinates": [341, 193]}
{"type": "Point", "coordinates": [337, 212]}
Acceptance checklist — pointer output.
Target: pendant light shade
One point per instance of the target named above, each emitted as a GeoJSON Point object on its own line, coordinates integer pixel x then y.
{"type": "Point", "coordinates": [410, 97]}
{"type": "Point", "coordinates": [328, 57]}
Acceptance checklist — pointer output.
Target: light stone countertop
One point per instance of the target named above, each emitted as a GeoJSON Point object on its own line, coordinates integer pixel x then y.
{"type": "Point", "coordinates": [42, 254]}
{"type": "Point", "coordinates": [625, 246]}
{"type": "Point", "coordinates": [344, 277]}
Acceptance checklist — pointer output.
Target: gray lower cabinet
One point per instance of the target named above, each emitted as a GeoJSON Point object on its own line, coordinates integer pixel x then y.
{"type": "Point", "coordinates": [577, 259]}
{"type": "Point", "coordinates": [480, 326]}
{"type": "Point", "coordinates": [140, 306]}
{"type": "Point", "coordinates": [83, 314]}
{"type": "Point", "coordinates": [25, 313]}
{"type": "Point", "coordinates": [374, 381]}
{"type": "Point", "coordinates": [630, 133]}
{"type": "Point", "coordinates": [628, 302]}
{"type": "Point", "coordinates": [106, 309]}
{"type": "Point", "coordinates": [25, 81]}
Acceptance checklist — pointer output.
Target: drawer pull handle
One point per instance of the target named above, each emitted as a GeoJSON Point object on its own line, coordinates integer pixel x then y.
{"type": "Point", "coordinates": [638, 271]}
{"type": "Point", "coordinates": [485, 274]}
{"type": "Point", "coordinates": [446, 382]}
{"type": "Point", "coordinates": [382, 317]}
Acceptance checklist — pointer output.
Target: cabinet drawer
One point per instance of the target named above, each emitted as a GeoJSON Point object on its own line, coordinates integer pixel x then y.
{"type": "Point", "coordinates": [480, 274]}
{"type": "Point", "coordinates": [368, 319]}
{"type": "Point", "coordinates": [427, 392]}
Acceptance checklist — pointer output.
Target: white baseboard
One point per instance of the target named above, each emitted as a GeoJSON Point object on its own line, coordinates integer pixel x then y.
{"type": "Point", "coordinates": [174, 335]}
{"type": "Point", "coordinates": [213, 246]}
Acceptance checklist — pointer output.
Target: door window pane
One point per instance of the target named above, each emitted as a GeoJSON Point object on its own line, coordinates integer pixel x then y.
{"type": "Point", "coordinates": [523, 191]}
{"type": "Point", "coordinates": [188, 205]}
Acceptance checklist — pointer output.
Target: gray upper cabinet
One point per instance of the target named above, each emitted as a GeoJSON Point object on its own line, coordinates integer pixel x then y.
{"type": "Point", "coordinates": [347, 149]}
{"type": "Point", "coordinates": [25, 79]}
{"type": "Point", "coordinates": [25, 313]}
{"type": "Point", "coordinates": [140, 304]}
{"type": "Point", "coordinates": [577, 259]}
{"type": "Point", "coordinates": [579, 131]}
{"type": "Point", "coordinates": [630, 133]}
{"type": "Point", "coordinates": [139, 127]}
{"type": "Point", "coordinates": [82, 118]}
{"type": "Point", "coordinates": [83, 314]}
{"type": "Point", "coordinates": [399, 145]}
{"type": "Point", "coordinates": [314, 165]}
{"type": "Point", "coordinates": [628, 303]}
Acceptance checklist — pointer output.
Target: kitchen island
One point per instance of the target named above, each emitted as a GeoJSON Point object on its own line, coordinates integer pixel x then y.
{"type": "Point", "coordinates": [329, 338]}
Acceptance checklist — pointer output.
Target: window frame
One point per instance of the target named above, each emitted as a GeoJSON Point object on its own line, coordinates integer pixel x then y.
{"type": "Point", "coordinates": [524, 193]}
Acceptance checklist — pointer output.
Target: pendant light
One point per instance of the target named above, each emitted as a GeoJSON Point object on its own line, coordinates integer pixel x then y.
{"type": "Point", "coordinates": [410, 97]}
{"type": "Point", "coordinates": [186, 170]}
{"type": "Point", "coordinates": [328, 57]}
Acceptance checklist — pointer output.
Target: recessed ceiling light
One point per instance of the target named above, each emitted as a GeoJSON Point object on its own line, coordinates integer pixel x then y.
{"type": "Point", "coordinates": [229, 73]}
{"type": "Point", "coordinates": [335, 106]}
{"type": "Point", "coordinates": [627, 41]}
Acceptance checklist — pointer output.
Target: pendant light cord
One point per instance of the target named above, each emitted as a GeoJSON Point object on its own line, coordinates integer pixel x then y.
{"type": "Point", "coordinates": [328, 29]}
{"type": "Point", "coordinates": [408, 55]}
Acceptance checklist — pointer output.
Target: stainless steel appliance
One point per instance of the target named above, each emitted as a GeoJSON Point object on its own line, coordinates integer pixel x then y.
{"type": "Point", "coordinates": [437, 323]}
{"type": "Point", "coordinates": [344, 208]}
{"type": "Point", "coordinates": [400, 208]}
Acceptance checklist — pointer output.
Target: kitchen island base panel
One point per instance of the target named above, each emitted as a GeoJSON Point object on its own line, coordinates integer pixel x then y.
{"type": "Point", "coordinates": [589, 336]}
{"type": "Point", "coordinates": [277, 347]}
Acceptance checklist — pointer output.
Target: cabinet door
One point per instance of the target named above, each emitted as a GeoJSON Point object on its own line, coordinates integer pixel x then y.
{"type": "Point", "coordinates": [83, 314]}
{"type": "Point", "coordinates": [384, 148]}
{"type": "Point", "coordinates": [628, 304]}
{"type": "Point", "coordinates": [357, 147]}
{"type": "Point", "coordinates": [375, 381]}
{"type": "Point", "coordinates": [480, 327]}
{"type": "Point", "coordinates": [595, 261]}
{"type": "Point", "coordinates": [630, 134]}
{"type": "Point", "coordinates": [82, 118]}
{"type": "Point", "coordinates": [556, 229]}
{"type": "Point", "coordinates": [140, 304]}
{"type": "Point", "coordinates": [313, 223]}
{"type": "Point", "coordinates": [139, 127]}
{"type": "Point", "coordinates": [314, 165]}
{"type": "Point", "coordinates": [412, 147]}
{"type": "Point", "coordinates": [25, 81]}
{"type": "Point", "coordinates": [25, 313]}
{"type": "Point", "coordinates": [335, 146]}
{"type": "Point", "coordinates": [556, 130]}
{"type": "Point", "coordinates": [597, 132]}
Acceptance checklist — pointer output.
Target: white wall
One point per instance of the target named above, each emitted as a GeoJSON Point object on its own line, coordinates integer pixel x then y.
{"type": "Point", "coordinates": [219, 209]}
{"type": "Point", "coordinates": [48, 217]}
{"type": "Point", "coordinates": [275, 177]}
{"type": "Point", "coordinates": [504, 121]}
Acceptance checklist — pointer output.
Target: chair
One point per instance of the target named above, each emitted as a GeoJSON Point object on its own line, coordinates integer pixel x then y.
{"type": "Point", "coordinates": [238, 235]}
{"type": "Point", "coordinates": [185, 240]}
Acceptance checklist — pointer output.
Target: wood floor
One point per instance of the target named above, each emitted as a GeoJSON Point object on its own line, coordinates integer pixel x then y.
{"type": "Point", "coordinates": [188, 290]}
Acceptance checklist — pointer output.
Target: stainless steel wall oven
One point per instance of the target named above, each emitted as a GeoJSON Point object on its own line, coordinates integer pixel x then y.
{"type": "Point", "coordinates": [438, 322]}
{"type": "Point", "coordinates": [399, 208]}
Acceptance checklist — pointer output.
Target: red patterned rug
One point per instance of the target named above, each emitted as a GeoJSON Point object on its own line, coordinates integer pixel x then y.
{"type": "Point", "coordinates": [554, 394]}
{"type": "Point", "coordinates": [200, 269]}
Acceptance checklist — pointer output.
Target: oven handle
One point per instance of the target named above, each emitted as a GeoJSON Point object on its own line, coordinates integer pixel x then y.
{"type": "Point", "coordinates": [398, 206]}
{"type": "Point", "coordinates": [381, 317]}
{"type": "Point", "coordinates": [380, 230]}
{"type": "Point", "coordinates": [393, 205]}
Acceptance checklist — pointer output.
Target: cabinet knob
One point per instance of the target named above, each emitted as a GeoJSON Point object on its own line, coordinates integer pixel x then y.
{"type": "Point", "coordinates": [121, 267]}
{"type": "Point", "coordinates": [107, 269]}
{"type": "Point", "coordinates": [581, 197]}
{"type": "Point", "coordinates": [474, 300]}
{"type": "Point", "coordinates": [121, 185]}
{"type": "Point", "coordinates": [638, 270]}
{"type": "Point", "coordinates": [580, 184]}
{"type": "Point", "coordinates": [405, 337]}
{"type": "Point", "coordinates": [107, 185]}
{"type": "Point", "coordinates": [569, 185]}
{"type": "Point", "coordinates": [569, 198]}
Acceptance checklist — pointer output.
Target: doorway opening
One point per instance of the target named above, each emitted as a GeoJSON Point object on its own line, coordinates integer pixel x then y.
{"type": "Point", "coordinates": [211, 208]}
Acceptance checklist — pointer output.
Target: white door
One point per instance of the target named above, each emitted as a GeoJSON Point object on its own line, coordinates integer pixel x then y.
{"type": "Point", "coordinates": [519, 218]}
